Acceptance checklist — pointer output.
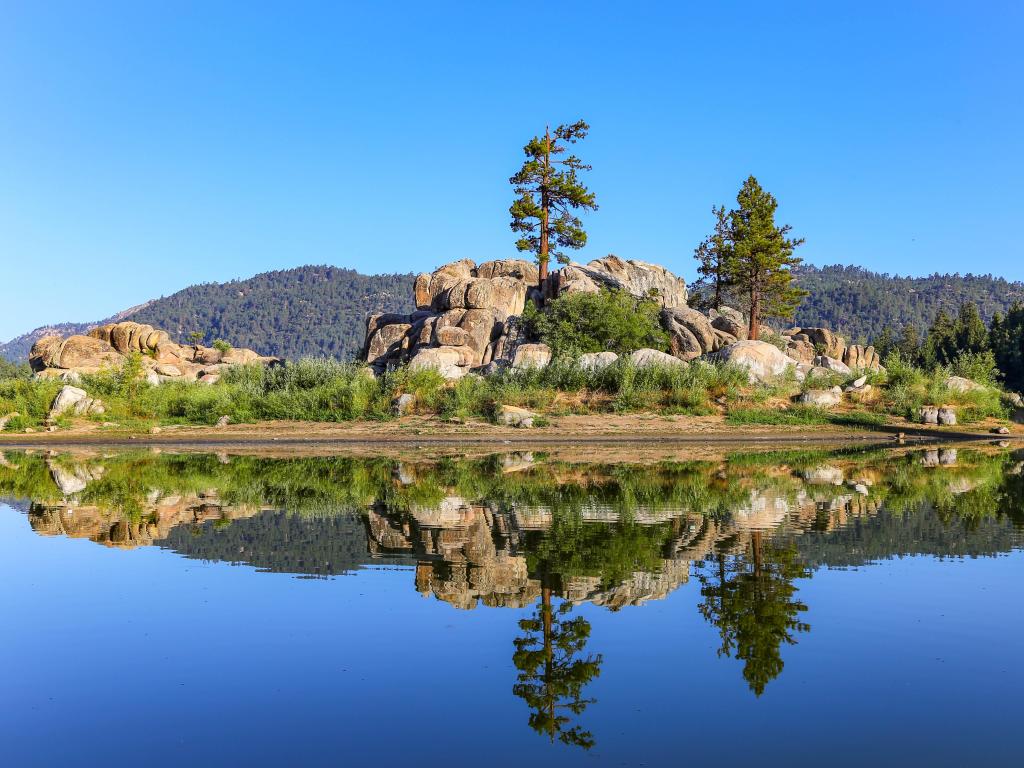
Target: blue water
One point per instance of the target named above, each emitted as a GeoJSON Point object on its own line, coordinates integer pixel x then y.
{"type": "Point", "coordinates": [142, 656]}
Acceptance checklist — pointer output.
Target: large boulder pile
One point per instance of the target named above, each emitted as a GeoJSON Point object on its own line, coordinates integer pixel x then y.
{"type": "Point", "coordinates": [107, 347]}
{"type": "Point", "coordinates": [467, 319]}
{"type": "Point", "coordinates": [468, 316]}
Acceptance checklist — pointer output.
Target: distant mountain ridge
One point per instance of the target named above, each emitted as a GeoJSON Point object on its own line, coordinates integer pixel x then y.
{"type": "Point", "coordinates": [307, 311]}
{"type": "Point", "coordinates": [321, 310]}
{"type": "Point", "coordinates": [17, 349]}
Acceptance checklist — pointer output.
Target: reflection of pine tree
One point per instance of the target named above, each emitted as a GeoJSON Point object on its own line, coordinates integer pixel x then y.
{"type": "Point", "coordinates": [755, 610]}
{"type": "Point", "coordinates": [551, 678]}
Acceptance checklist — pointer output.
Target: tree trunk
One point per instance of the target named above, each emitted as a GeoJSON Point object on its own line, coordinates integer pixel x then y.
{"type": "Point", "coordinates": [542, 259]}
{"type": "Point", "coordinates": [548, 660]}
{"type": "Point", "coordinates": [755, 542]}
{"type": "Point", "coordinates": [755, 315]}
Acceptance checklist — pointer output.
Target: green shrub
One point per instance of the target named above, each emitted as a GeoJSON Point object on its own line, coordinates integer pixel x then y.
{"type": "Point", "coordinates": [9, 370]}
{"type": "Point", "coordinates": [31, 399]}
{"type": "Point", "coordinates": [976, 366]}
{"type": "Point", "coordinates": [609, 320]}
{"type": "Point", "coordinates": [221, 346]}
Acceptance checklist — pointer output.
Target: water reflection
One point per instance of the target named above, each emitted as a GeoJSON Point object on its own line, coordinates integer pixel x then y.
{"type": "Point", "coordinates": [534, 532]}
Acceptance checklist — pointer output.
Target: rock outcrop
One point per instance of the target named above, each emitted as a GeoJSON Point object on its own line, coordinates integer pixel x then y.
{"type": "Point", "coordinates": [637, 278]}
{"type": "Point", "coordinates": [108, 346]}
{"type": "Point", "coordinates": [468, 318]}
{"type": "Point", "coordinates": [468, 315]}
{"type": "Point", "coordinates": [810, 345]}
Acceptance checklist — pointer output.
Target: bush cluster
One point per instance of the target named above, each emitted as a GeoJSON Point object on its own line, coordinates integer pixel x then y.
{"type": "Point", "coordinates": [606, 321]}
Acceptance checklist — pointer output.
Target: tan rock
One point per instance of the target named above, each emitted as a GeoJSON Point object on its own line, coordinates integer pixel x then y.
{"type": "Point", "coordinates": [88, 352]}
{"type": "Point", "coordinates": [445, 360]}
{"type": "Point", "coordinates": [482, 327]}
{"type": "Point", "coordinates": [645, 358]}
{"type": "Point", "coordinates": [120, 337]}
{"type": "Point", "coordinates": [386, 342]}
{"type": "Point", "coordinates": [829, 343]}
{"type": "Point", "coordinates": [640, 279]}
{"type": "Point", "coordinates": [421, 291]}
{"type": "Point", "coordinates": [520, 269]}
{"type": "Point", "coordinates": [452, 336]}
{"type": "Point", "coordinates": [801, 350]}
{"type": "Point", "coordinates": [763, 361]}
{"type": "Point", "coordinates": [676, 320]}
{"type": "Point", "coordinates": [531, 356]}
{"type": "Point", "coordinates": [45, 353]}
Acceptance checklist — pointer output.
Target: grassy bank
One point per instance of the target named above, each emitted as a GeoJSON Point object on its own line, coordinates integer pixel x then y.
{"type": "Point", "coordinates": [329, 391]}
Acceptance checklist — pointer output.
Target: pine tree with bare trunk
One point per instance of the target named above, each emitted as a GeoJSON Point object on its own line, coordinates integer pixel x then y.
{"type": "Point", "coordinates": [548, 195]}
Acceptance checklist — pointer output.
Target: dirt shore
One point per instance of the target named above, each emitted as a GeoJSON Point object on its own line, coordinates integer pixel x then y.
{"type": "Point", "coordinates": [642, 431]}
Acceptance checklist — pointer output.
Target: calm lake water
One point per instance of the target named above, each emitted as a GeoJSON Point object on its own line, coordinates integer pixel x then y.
{"type": "Point", "coordinates": [807, 608]}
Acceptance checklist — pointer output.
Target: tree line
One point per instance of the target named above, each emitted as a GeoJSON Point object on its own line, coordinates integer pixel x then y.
{"type": "Point", "coordinates": [989, 352]}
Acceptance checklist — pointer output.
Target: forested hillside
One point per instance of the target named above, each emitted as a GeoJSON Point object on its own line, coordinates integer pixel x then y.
{"type": "Point", "coordinates": [308, 311]}
{"type": "Point", "coordinates": [320, 310]}
{"type": "Point", "coordinates": [859, 303]}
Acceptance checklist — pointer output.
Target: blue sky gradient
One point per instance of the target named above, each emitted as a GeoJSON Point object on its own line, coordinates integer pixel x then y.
{"type": "Point", "coordinates": [148, 146]}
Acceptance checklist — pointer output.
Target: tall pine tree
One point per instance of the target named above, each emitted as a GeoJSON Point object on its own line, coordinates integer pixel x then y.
{"type": "Point", "coordinates": [762, 257]}
{"type": "Point", "coordinates": [548, 194]}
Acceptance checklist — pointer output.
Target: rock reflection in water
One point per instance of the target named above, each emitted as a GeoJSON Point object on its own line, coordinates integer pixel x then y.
{"type": "Point", "coordinates": [519, 530]}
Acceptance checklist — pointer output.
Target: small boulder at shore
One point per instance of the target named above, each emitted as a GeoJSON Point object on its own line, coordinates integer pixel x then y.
{"type": "Point", "coordinates": [75, 400]}
{"type": "Point", "coordinates": [821, 398]}
{"type": "Point", "coordinates": [929, 414]}
{"type": "Point", "coordinates": [510, 416]}
{"type": "Point", "coordinates": [403, 404]}
{"type": "Point", "coordinates": [947, 416]}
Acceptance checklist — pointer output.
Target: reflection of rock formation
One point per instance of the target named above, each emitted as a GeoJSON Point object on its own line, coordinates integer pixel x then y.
{"type": "Point", "coordinates": [158, 516]}
{"type": "Point", "coordinates": [491, 531]}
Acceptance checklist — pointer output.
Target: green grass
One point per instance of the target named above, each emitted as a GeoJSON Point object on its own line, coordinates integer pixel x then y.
{"type": "Point", "coordinates": [330, 391]}
{"type": "Point", "coordinates": [802, 415]}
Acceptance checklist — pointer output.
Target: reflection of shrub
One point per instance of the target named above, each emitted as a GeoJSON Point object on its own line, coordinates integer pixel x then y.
{"type": "Point", "coordinates": [596, 322]}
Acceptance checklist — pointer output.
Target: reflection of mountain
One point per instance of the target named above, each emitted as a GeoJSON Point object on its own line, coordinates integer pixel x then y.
{"type": "Point", "coordinates": [278, 542]}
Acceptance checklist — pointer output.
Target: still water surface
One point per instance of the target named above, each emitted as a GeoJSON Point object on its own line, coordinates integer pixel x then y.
{"type": "Point", "coordinates": [516, 609]}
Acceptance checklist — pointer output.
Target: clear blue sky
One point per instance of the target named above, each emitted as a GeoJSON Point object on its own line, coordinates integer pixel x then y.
{"type": "Point", "coordinates": [148, 146]}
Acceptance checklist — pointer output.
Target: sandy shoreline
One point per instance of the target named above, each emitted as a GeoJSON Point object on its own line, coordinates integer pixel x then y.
{"type": "Point", "coordinates": [641, 431]}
